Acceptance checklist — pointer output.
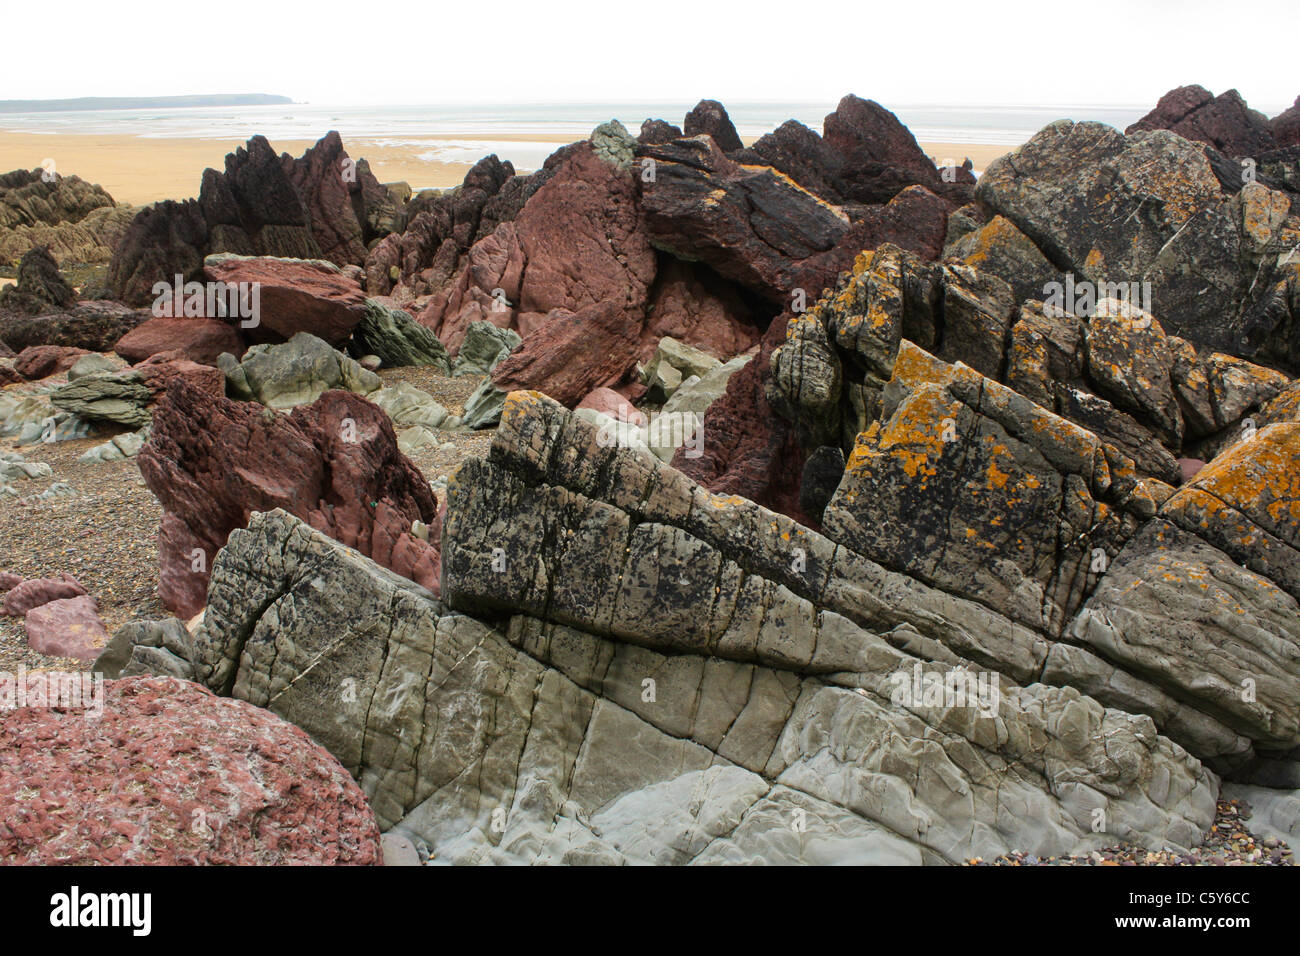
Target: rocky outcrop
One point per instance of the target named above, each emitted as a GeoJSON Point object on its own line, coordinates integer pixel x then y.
{"type": "Point", "coordinates": [212, 462]}
{"type": "Point", "coordinates": [40, 287]}
{"type": "Point", "coordinates": [1224, 121]}
{"type": "Point", "coordinates": [763, 692]}
{"type": "Point", "coordinates": [78, 222]}
{"type": "Point", "coordinates": [95, 326]}
{"type": "Point", "coordinates": [320, 205]}
{"type": "Point", "coordinates": [1214, 266]}
{"type": "Point", "coordinates": [226, 783]}
{"type": "Point", "coordinates": [709, 118]}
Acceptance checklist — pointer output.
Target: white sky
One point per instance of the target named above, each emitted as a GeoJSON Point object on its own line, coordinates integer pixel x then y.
{"type": "Point", "coordinates": [396, 52]}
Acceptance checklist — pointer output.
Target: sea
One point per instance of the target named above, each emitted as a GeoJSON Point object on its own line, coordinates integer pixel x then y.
{"type": "Point", "coordinates": [465, 133]}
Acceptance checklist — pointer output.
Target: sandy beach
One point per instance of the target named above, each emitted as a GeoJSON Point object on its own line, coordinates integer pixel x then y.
{"type": "Point", "coordinates": [139, 170]}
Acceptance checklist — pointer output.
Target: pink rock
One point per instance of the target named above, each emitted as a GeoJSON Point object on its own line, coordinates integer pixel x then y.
{"type": "Point", "coordinates": [9, 580]}
{"type": "Point", "coordinates": [158, 371]}
{"type": "Point", "coordinates": [33, 593]}
{"type": "Point", "coordinates": [42, 361]}
{"type": "Point", "coordinates": [68, 627]}
{"type": "Point", "coordinates": [199, 340]}
{"type": "Point", "coordinates": [1190, 467]}
{"type": "Point", "coordinates": [295, 296]}
{"type": "Point", "coordinates": [335, 464]}
{"type": "Point", "coordinates": [610, 402]}
{"type": "Point", "coordinates": [171, 774]}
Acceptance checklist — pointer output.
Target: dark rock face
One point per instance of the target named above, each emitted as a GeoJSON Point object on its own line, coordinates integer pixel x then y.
{"type": "Point", "coordinates": [164, 240]}
{"type": "Point", "coordinates": [750, 224]}
{"type": "Point", "coordinates": [95, 326]}
{"type": "Point", "coordinates": [880, 157]}
{"type": "Point", "coordinates": [1286, 126]}
{"type": "Point", "coordinates": [1216, 264]}
{"type": "Point", "coordinates": [709, 117]}
{"type": "Point", "coordinates": [335, 463]}
{"type": "Point", "coordinates": [320, 205]}
{"type": "Point", "coordinates": [39, 288]}
{"type": "Point", "coordinates": [229, 784]}
{"type": "Point", "coordinates": [656, 131]}
{"type": "Point", "coordinates": [1224, 121]}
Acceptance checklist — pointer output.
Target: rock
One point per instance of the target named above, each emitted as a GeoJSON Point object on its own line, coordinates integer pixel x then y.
{"type": "Point", "coordinates": [578, 248]}
{"type": "Point", "coordinates": [143, 647]}
{"type": "Point", "coordinates": [40, 288]}
{"type": "Point", "coordinates": [485, 345]}
{"type": "Point", "coordinates": [1223, 121]}
{"type": "Point", "coordinates": [230, 784]}
{"type": "Point", "coordinates": [13, 467]}
{"type": "Point", "coordinates": [118, 448]}
{"type": "Point", "coordinates": [694, 306]}
{"type": "Point", "coordinates": [407, 406]}
{"type": "Point", "coordinates": [696, 394]}
{"type": "Point", "coordinates": [158, 371]}
{"type": "Point", "coordinates": [655, 131]}
{"type": "Point", "coordinates": [345, 205]}
{"type": "Point", "coordinates": [611, 403]}
{"type": "Point", "coordinates": [95, 326]}
{"type": "Point", "coordinates": [483, 407]}
{"type": "Point", "coordinates": [1000, 249]}
{"type": "Point", "coordinates": [397, 340]}
{"type": "Point", "coordinates": [42, 361]}
{"type": "Point", "coordinates": [296, 372]}
{"type": "Point", "coordinates": [1210, 265]}
{"type": "Point", "coordinates": [685, 358]}
{"type": "Point", "coordinates": [201, 340]}
{"type": "Point", "coordinates": [801, 154]}
{"type": "Point", "coordinates": [662, 382]}
{"type": "Point", "coordinates": [22, 596]}
{"type": "Point", "coordinates": [880, 157]}
{"type": "Point", "coordinates": [821, 476]}
{"type": "Point", "coordinates": [9, 581]}
{"type": "Point", "coordinates": [93, 364]}
{"type": "Point", "coordinates": [113, 398]}
{"type": "Point", "coordinates": [1286, 126]}
{"type": "Point", "coordinates": [212, 462]}
{"type": "Point", "coordinates": [612, 143]}
{"type": "Point", "coordinates": [164, 240]}
{"type": "Point", "coordinates": [66, 627]}
{"type": "Point", "coordinates": [709, 117]}
{"type": "Point", "coordinates": [752, 225]}
{"type": "Point", "coordinates": [295, 296]}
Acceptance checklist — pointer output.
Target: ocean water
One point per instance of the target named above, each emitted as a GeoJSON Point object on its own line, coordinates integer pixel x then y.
{"type": "Point", "coordinates": [465, 133]}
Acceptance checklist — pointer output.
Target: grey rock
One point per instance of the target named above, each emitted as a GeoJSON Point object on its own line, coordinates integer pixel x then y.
{"type": "Point", "coordinates": [397, 339]}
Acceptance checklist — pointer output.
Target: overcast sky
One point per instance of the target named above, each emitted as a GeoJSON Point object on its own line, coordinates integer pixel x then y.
{"type": "Point", "coordinates": [906, 51]}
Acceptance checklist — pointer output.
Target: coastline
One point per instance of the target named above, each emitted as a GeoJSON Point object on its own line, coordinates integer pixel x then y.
{"type": "Point", "coordinates": [138, 170]}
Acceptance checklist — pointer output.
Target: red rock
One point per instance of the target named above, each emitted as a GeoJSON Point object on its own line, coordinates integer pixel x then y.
{"type": "Point", "coordinates": [579, 241]}
{"type": "Point", "coordinates": [748, 449]}
{"type": "Point", "coordinates": [68, 627]}
{"type": "Point", "coordinates": [25, 595]}
{"type": "Point", "coordinates": [335, 464]}
{"type": "Point", "coordinates": [8, 376]}
{"type": "Point", "coordinates": [172, 774]}
{"type": "Point", "coordinates": [1286, 126]}
{"type": "Point", "coordinates": [1224, 121]}
{"type": "Point", "coordinates": [200, 340]}
{"type": "Point", "coordinates": [158, 371]}
{"type": "Point", "coordinates": [1190, 467]}
{"type": "Point", "coordinates": [42, 361]}
{"type": "Point", "coordinates": [318, 177]}
{"type": "Point", "coordinates": [694, 305]}
{"type": "Point", "coordinates": [609, 402]}
{"type": "Point", "coordinates": [9, 580]}
{"type": "Point", "coordinates": [295, 296]}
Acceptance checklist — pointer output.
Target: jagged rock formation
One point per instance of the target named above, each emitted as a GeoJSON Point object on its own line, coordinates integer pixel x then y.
{"type": "Point", "coordinates": [322, 205]}
{"type": "Point", "coordinates": [40, 287]}
{"type": "Point", "coordinates": [76, 221]}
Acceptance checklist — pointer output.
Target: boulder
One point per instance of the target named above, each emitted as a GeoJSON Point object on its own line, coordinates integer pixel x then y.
{"type": "Point", "coordinates": [42, 361]}
{"type": "Point", "coordinates": [123, 399]}
{"type": "Point", "coordinates": [655, 131]}
{"type": "Point", "coordinates": [1000, 249]}
{"type": "Point", "coordinates": [212, 462]}
{"type": "Point", "coordinates": [1286, 126]}
{"type": "Point", "coordinates": [39, 288]}
{"type": "Point", "coordinates": [397, 339]}
{"type": "Point", "coordinates": [709, 118]}
{"type": "Point", "coordinates": [485, 345]}
{"type": "Point", "coordinates": [66, 627]}
{"type": "Point", "coordinates": [611, 403]}
{"type": "Point", "coordinates": [93, 364]}
{"type": "Point", "coordinates": [200, 340]}
{"type": "Point", "coordinates": [295, 373]}
{"type": "Point", "coordinates": [95, 326]}
{"type": "Point", "coordinates": [295, 296]}
{"type": "Point", "coordinates": [21, 596]}
{"type": "Point", "coordinates": [226, 783]}
{"type": "Point", "coordinates": [1224, 121]}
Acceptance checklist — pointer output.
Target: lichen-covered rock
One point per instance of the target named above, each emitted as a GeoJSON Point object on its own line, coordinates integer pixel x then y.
{"type": "Point", "coordinates": [171, 774]}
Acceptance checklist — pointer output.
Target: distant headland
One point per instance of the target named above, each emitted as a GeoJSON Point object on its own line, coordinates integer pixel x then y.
{"type": "Point", "coordinates": [141, 102]}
